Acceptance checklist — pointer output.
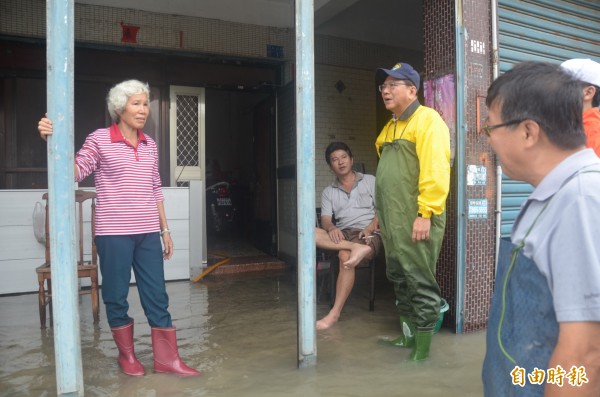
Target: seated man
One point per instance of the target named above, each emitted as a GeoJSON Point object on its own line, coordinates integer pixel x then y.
{"type": "Point", "coordinates": [351, 199]}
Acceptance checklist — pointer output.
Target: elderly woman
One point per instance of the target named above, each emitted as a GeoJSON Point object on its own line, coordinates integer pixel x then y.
{"type": "Point", "coordinates": [130, 222]}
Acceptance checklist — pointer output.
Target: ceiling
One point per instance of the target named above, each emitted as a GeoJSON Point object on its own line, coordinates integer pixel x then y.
{"type": "Point", "coordinates": [396, 23]}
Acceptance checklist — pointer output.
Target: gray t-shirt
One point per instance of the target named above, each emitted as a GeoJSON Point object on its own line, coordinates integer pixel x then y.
{"type": "Point", "coordinates": [563, 243]}
{"type": "Point", "coordinates": [354, 210]}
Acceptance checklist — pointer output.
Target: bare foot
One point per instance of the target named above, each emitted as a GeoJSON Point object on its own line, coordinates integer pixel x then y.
{"type": "Point", "coordinates": [357, 254]}
{"type": "Point", "coordinates": [327, 321]}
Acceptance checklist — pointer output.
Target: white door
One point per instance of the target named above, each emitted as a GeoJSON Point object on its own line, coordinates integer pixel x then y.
{"type": "Point", "coordinates": [187, 136]}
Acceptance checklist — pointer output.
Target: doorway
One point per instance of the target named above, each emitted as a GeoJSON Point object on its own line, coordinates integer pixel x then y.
{"type": "Point", "coordinates": [239, 150]}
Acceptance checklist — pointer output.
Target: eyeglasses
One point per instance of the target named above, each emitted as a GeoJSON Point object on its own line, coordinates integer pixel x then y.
{"type": "Point", "coordinates": [392, 85]}
{"type": "Point", "coordinates": [488, 128]}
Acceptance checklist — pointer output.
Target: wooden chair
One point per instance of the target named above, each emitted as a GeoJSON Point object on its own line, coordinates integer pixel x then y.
{"type": "Point", "coordinates": [85, 269]}
{"type": "Point", "coordinates": [328, 267]}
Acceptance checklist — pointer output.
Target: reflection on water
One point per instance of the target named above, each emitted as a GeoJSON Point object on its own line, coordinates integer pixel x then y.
{"type": "Point", "coordinates": [241, 332]}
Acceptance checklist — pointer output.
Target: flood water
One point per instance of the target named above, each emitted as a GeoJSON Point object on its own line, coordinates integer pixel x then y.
{"type": "Point", "coordinates": [241, 332]}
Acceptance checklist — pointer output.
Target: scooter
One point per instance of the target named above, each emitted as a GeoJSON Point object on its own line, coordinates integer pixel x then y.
{"type": "Point", "coordinates": [221, 211]}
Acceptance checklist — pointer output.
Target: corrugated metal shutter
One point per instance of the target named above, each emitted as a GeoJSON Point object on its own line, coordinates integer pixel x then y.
{"type": "Point", "coordinates": [542, 30]}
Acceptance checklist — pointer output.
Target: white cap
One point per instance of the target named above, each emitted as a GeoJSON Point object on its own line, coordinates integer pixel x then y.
{"type": "Point", "coordinates": [584, 70]}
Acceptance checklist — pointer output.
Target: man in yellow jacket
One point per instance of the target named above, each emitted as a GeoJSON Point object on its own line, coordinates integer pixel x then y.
{"type": "Point", "coordinates": [412, 184]}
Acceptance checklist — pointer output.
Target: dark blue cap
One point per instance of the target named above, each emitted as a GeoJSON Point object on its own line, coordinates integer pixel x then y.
{"type": "Point", "coordinates": [402, 71]}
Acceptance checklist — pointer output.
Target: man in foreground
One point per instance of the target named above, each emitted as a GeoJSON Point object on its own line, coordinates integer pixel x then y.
{"type": "Point", "coordinates": [543, 335]}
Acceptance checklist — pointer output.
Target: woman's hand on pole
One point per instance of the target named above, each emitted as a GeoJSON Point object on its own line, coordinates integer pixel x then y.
{"type": "Point", "coordinates": [45, 127]}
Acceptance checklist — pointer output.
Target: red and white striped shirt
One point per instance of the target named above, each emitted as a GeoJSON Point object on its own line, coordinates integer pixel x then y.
{"type": "Point", "coordinates": [128, 184]}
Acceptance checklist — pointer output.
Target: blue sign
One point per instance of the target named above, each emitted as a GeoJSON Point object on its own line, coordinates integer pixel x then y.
{"type": "Point", "coordinates": [274, 51]}
{"type": "Point", "coordinates": [477, 209]}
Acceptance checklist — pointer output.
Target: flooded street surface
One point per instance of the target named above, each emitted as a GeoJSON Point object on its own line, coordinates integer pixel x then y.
{"type": "Point", "coordinates": [241, 332]}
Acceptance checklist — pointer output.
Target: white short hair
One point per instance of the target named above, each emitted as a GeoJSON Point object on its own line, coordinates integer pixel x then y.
{"type": "Point", "coordinates": [119, 95]}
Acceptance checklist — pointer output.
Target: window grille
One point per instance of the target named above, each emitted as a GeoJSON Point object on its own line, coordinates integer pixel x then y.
{"type": "Point", "coordinates": [187, 130]}
{"type": "Point", "coordinates": [187, 135]}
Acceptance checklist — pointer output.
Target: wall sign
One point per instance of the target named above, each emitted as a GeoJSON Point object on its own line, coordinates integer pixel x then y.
{"type": "Point", "coordinates": [477, 209]}
{"type": "Point", "coordinates": [476, 175]}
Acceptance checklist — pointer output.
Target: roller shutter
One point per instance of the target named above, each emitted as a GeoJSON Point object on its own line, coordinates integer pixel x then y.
{"type": "Point", "coordinates": [542, 30]}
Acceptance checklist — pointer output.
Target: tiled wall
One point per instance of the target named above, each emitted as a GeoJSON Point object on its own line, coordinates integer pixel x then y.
{"type": "Point", "coordinates": [102, 25]}
{"type": "Point", "coordinates": [344, 111]}
{"type": "Point", "coordinates": [480, 238]}
{"type": "Point", "coordinates": [440, 59]}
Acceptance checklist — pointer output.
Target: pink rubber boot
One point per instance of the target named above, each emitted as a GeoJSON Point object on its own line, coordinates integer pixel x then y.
{"type": "Point", "coordinates": [166, 354]}
{"type": "Point", "coordinates": [123, 337]}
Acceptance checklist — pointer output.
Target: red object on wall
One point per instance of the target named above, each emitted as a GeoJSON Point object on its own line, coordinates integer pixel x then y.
{"type": "Point", "coordinates": [129, 33]}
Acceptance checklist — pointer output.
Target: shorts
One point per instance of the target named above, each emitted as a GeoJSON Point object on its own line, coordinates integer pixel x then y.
{"type": "Point", "coordinates": [351, 234]}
